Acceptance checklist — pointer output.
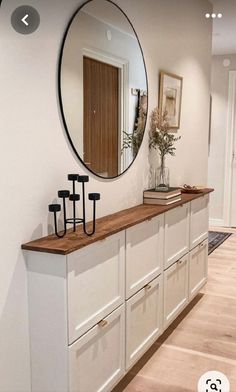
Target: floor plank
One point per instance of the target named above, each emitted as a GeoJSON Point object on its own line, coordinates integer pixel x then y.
{"type": "Point", "coordinates": [202, 338]}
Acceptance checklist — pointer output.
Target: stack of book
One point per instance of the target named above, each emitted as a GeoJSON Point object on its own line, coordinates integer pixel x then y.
{"type": "Point", "coordinates": [164, 198]}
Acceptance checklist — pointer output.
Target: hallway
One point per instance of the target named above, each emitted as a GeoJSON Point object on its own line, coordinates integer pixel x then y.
{"type": "Point", "coordinates": [203, 337]}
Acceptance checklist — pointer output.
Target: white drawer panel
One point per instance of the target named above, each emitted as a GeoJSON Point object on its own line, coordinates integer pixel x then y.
{"type": "Point", "coordinates": [143, 320]}
{"type": "Point", "coordinates": [144, 253]}
{"type": "Point", "coordinates": [176, 234]}
{"type": "Point", "coordinates": [95, 283]}
{"type": "Point", "coordinates": [199, 220]}
{"type": "Point", "coordinates": [175, 290]}
{"type": "Point", "coordinates": [96, 360]}
{"type": "Point", "coordinates": [198, 261]}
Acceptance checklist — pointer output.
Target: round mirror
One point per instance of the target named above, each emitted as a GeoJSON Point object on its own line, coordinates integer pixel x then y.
{"type": "Point", "coordinates": [103, 88]}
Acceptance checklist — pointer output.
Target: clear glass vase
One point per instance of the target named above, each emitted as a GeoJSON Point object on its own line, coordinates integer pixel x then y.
{"type": "Point", "coordinates": [162, 177]}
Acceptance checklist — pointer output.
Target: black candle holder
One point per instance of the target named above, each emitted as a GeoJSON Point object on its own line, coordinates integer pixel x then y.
{"type": "Point", "coordinates": [74, 197]}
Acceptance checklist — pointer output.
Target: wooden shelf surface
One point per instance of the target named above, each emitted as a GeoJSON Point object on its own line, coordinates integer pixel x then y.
{"type": "Point", "coordinates": [105, 227]}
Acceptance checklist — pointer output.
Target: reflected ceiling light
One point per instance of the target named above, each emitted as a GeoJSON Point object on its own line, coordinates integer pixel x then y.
{"type": "Point", "coordinates": [226, 62]}
{"type": "Point", "coordinates": [213, 15]}
{"type": "Point", "coordinates": [109, 35]}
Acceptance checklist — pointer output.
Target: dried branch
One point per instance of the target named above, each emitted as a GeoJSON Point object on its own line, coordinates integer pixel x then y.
{"type": "Point", "coordinates": [159, 136]}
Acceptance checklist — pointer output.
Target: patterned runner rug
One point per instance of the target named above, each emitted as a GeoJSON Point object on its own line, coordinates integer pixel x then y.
{"type": "Point", "coordinates": [216, 238]}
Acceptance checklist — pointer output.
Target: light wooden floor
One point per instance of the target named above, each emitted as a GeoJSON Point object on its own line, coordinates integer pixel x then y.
{"type": "Point", "coordinates": [203, 338]}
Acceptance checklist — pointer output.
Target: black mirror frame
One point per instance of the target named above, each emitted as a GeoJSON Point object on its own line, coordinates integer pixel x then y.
{"type": "Point", "coordinates": [60, 90]}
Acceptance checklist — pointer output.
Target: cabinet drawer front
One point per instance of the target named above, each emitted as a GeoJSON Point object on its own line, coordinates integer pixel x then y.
{"type": "Point", "coordinates": [95, 283]}
{"type": "Point", "coordinates": [96, 360]}
{"type": "Point", "coordinates": [198, 261]}
{"type": "Point", "coordinates": [175, 290]}
{"type": "Point", "coordinates": [143, 320]}
{"type": "Point", "coordinates": [176, 234]}
{"type": "Point", "coordinates": [199, 220]}
{"type": "Point", "coordinates": [144, 254]}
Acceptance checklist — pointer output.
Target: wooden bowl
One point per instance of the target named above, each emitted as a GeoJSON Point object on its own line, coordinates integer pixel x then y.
{"type": "Point", "coordinates": [191, 190]}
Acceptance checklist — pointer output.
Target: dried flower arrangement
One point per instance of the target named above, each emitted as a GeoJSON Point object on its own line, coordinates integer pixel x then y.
{"type": "Point", "coordinates": [160, 136]}
{"type": "Point", "coordinates": [162, 139]}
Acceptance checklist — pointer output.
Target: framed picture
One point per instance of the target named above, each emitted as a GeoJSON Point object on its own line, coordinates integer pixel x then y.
{"type": "Point", "coordinates": [170, 96]}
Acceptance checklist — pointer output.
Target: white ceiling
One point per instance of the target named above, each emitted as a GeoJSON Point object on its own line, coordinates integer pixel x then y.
{"type": "Point", "coordinates": [224, 29]}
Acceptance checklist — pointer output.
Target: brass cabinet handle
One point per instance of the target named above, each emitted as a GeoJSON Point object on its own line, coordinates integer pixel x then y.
{"type": "Point", "coordinates": [102, 323]}
{"type": "Point", "coordinates": [180, 262]}
{"type": "Point", "coordinates": [148, 287]}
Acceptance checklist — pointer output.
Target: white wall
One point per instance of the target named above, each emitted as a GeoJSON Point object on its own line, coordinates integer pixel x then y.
{"type": "Point", "coordinates": [35, 155]}
{"type": "Point", "coordinates": [182, 50]}
{"type": "Point", "coordinates": [216, 170]}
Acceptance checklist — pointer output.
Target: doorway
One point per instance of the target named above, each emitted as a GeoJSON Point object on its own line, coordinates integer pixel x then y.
{"type": "Point", "coordinates": [222, 161]}
{"type": "Point", "coordinates": [230, 157]}
{"type": "Point", "coordinates": [101, 117]}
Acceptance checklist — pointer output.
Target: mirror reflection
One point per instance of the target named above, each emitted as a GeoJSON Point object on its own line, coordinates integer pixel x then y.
{"type": "Point", "coordinates": [103, 88]}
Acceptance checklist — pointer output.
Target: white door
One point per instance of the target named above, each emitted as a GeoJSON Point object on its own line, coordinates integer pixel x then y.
{"type": "Point", "coordinates": [198, 268]}
{"type": "Point", "coordinates": [144, 253]}
{"type": "Point", "coordinates": [175, 290]}
{"type": "Point", "coordinates": [95, 283]}
{"type": "Point", "coordinates": [143, 320]}
{"type": "Point", "coordinates": [96, 360]}
{"type": "Point", "coordinates": [199, 219]}
{"type": "Point", "coordinates": [229, 197]}
{"type": "Point", "coordinates": [176, 234]}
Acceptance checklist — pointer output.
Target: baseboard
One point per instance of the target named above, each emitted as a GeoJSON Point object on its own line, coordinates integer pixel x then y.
{"type": "Point", "coordinates": [216, 222]}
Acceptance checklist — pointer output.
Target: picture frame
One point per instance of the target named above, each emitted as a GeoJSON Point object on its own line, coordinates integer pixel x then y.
{"type": "Point", "coordinates": [170, 97]}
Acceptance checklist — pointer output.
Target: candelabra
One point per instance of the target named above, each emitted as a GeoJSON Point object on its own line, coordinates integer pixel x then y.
{"type": "Point", "coordinates": [74, 197]}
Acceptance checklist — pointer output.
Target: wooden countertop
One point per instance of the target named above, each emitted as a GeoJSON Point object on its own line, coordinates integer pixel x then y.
{"type": "Point", "coordinates": [105, 227]}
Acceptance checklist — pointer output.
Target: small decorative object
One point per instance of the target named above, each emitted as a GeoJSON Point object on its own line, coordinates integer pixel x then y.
{"type": "Point", "coordinates": [74, 197]}
{"type": "Point", "coordinates": [170, 98]}
{"type": "Point", "coordinates": [192, 189]}
{"type": "Point", "coordinates": [162, 140]}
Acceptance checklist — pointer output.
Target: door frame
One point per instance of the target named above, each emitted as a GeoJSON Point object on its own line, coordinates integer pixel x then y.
{"type": "Point", "coordinates": [123, 66]}
{"type": "Point", "coordinates": [229, 150]}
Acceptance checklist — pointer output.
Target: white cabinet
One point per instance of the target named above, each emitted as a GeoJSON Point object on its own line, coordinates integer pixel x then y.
{"type": "Point", "coordinates": [95, 311]}
{"type": "Point", "coordinates": [143, 320]}
{"type": "Point", "coordinates": [176, 234]}
{"type": "Point", "coordinates": [199, 220]}
{"type": "Point", "coordinates": [144, 253]}
{"type": "Point", "coordinates": [198, 268]}
{"type": "Point", "coordinates": [175, 290]}
{"type": "Point", "coordinates": [95, 283]}
{"type": "Point", "coordinates": [96, 360]}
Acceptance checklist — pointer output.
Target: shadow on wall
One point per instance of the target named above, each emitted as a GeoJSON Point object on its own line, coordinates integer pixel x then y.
{"type": "Point", "coordinates": [37, 233]}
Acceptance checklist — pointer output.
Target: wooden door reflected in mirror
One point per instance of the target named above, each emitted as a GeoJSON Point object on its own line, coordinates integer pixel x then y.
{"type": "Point", "coordinates": [101, 111]}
